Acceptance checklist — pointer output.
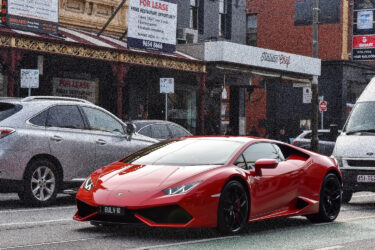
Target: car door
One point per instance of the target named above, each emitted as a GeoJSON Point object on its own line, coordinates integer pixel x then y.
{"type": "Point", "coordinates": [275, 189]}
{"type": "Point", "coordinates": [109, 136]}
{"type": "Point", "coordinates": [70, 141]}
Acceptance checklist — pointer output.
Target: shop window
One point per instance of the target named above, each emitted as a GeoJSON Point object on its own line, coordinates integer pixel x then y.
{"type": "Point", "coordinates": [3, 82]}
{"type": "Point", "coordinates": [329, 12]}
{"type": "Point", "coordinates": [252, 29]}
{"type": "Point", "coordinates": [194, 14]}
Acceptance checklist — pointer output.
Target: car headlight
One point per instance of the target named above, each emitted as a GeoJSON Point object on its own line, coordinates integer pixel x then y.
{"type": "Point", "coordinates": [338, 160]}
{"type": "Point", "coordinates": [88, 184]}
{"type": "Point", "coordinates": [181, 189]}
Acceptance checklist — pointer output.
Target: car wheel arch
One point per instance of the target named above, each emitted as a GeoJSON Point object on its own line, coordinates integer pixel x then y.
{"type": "Point", "coordinates": [50, 158]}
{"type": "Point", "coordinates": [243, 183]}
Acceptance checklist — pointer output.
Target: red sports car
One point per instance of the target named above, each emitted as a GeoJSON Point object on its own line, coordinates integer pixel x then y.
{"type": "Point", "coordinates": [222, 182]}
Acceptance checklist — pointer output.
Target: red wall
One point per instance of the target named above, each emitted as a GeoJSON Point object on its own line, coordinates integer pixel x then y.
{"type": "Point", "coordinates": [276, 30]}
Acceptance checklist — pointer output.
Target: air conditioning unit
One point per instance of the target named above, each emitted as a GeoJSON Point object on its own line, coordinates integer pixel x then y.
{"type": "Point", "coordinates": [187, 35]}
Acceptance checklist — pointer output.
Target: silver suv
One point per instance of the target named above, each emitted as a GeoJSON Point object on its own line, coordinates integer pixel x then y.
{"type": "Point", "coordinates": [48, 144]}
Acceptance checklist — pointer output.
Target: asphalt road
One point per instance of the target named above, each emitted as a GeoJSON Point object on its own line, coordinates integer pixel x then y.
{"type": "Point", "coordinates": [53, 228]}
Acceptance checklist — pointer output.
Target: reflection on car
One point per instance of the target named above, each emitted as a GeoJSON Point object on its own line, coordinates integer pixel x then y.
{"type": "Point", "coordinates": [214, 181]}
{"type": "Point", "coordinates": [160, 130]}
{"type": "Point", "coordinates": [48, 144]}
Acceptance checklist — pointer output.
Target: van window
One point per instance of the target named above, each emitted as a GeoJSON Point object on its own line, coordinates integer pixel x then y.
{"type": "Point", "coordinates": [7, 110]}
{"type": "Point", "coordinates": [362, 118]}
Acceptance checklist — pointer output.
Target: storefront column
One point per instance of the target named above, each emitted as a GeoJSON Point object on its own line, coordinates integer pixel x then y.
{"type": "Point", "coordinates": [11, 59]}
{"type": "Point", "coordinates": [119, 71]}
{"type": "Point", "coordinates": [201, 78]}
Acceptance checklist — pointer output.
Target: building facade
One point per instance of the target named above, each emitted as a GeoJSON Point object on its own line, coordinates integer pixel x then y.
{"type": "Point", "coordinates": [288, 27]}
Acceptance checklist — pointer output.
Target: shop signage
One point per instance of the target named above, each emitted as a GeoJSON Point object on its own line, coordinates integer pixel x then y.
{"type": "Point", "coordinates": [307, 95]}
{"type": "Point", "coordinates": [365, 19]}
{"type": "Point", "coordinates": [364, 42]}
{"type": "Point", "coordinates": [83, 89]}
{"type": "Point", "coordinates": [152, 25]}
{"type": "Point", "coordinates": [31, 15]}
{"type": "Point", "coordinates": [29, 78]}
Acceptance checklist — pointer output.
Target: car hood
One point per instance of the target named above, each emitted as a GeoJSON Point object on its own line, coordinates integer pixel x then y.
{"type": "Point", "coordinates": [355, 146]}
{"type": "Point", "coordinates": [144, 178]}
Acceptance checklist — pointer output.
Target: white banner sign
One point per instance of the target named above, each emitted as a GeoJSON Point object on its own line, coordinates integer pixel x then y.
{"type": "Point", "coordinates": [365, 20]}
{"type": "Point", "coordinates": [166, 85]}
{"type": "Point", "coordinates": [83, 89]}
{"type": "Point", "coordinates": [152, 25]}
{"type": "Point", "coordinates": [307, 95]}
{"type": "Point", "coordinates": [29, 78]}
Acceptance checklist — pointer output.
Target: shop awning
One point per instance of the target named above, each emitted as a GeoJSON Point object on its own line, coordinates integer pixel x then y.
{"type": "Point", "coordinates": [81, 43]}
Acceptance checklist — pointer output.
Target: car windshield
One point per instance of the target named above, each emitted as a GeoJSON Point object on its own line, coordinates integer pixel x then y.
{"type": "Point", "coordinates": [186, 152]}
{"type": "Point", "coordinates": [362, 118]}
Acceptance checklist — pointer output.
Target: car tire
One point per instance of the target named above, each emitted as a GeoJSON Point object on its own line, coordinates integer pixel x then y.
{"type": "Point", "coordinates": [233, 209]}
{"type": "Point", "coordinates": [41, 183]}
{"type": "Point", "coordinates": [346, 196]}
{"type": "Point", "coordinates": [330, 200]}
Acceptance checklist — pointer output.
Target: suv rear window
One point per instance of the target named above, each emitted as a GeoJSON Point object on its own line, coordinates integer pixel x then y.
{"type": "Point", "coordinates": [7, 110]}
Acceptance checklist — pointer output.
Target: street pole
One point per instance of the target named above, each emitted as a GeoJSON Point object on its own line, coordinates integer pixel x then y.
{"type": "Point", "coordinates": [314, 83]}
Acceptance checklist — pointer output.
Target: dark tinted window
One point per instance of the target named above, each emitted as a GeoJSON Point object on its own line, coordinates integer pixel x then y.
{"type": "Point", "coordinates": [160, 131]}
{"type": "Point", "coordinates": [329, 12]}
{"type": "Point", "coordinates": [260, 151]}
{"type": "Point", "coordinates": [177, 131]}
{"type": "Point", "coordinates": [146, 131]}
{"type": "Point", "coordinates": [65, 117]}
{"type": "Point", "coordinates": [40, 120]}
{"type": "Point", "coordinates": [7, 109]}
{"type": "Point", "coordinates": [186, 152]}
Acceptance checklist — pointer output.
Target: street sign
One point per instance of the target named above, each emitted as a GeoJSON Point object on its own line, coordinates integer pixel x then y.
{"type": "Point", "coordinates": [167, 85]}
{"type": "Point", "coordinates": [307, 95]}
{"type": "Point", "coordinates": [323, 106]}
{"type": "Point", "coordinates": [29, 78]}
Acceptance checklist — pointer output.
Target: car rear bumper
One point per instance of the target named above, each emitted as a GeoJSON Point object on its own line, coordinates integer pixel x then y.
{"type": "Point", "coordinates": [352, 182]}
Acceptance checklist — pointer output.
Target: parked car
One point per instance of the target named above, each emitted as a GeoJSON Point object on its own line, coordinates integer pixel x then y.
{"type": "Point", "coordinates": [160, 130]}
{"type": "Point", "coordinates": [48, 144]}
{"type": "Point", "coordinates": [326, 142]}
{"type": "Point", "coordinates": [355, 147]}
{"type": "Point", "coordinates": [222, 182]}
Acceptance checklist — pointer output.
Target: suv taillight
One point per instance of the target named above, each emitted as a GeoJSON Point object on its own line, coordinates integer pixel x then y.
{"type": "Point", "coordinates": [6, 131]}
{"type": "Point", "coordinates": [294, 142]}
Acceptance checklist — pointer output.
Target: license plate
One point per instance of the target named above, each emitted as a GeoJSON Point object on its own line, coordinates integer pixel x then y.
{"type": "Point", "coordinates": [110, 210]}
{"type": "Point", "coordinates": [365, 178]}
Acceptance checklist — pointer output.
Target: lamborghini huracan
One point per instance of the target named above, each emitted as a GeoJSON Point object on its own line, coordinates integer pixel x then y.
{"type": "Point", "coordinates": [212, 181]}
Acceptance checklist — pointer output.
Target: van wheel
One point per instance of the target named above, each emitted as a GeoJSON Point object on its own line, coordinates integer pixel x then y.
{"type": "Point", "coordinates": [41, 183]}
{"type": "Point", "coordinates": [346, 196]}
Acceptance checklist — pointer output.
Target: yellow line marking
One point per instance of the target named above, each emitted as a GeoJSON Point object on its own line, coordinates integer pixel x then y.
{"type": "Point", "coordinates": [356, 218]}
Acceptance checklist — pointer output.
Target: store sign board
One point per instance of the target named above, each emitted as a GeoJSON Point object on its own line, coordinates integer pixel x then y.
{"type": "Point", "coordinates": [365, 20]}
{"type": "Point", "coordinates": [152, 25]}
{"type": "Point", "coordinates": [83, 89]}
{"type": "Point", "coordinates": [31, 15]}
{"type": "Point", "coordinates": [364, 42]}
{"type": "Point", "coordinates": [29, 78]}
{"type": "Point", "coordinates": [167, 85]}
{"type": "Point", "coordinates": [307, 95]}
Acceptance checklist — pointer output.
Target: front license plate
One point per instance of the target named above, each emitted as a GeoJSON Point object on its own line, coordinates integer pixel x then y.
{"type": "Point", "coordinates": [110, 210]}
{"type": "Point", "coordinates": [365, 178]}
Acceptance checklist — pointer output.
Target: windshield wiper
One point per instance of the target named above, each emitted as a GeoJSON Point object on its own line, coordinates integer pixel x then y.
{"type": "Point", "coordinates": [361, 131]}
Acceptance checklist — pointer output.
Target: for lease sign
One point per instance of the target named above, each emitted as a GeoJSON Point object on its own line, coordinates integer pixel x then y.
{"type": "Point", "coordinates": [31, 15]}
{"type": "Point", "coordinates": [152, 25]}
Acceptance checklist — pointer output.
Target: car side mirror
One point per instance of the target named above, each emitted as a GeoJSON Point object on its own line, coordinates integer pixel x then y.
{"type": "Point", "coordinates": [130, 130]}
{"type": "Point", "coordinates": [266, 164]}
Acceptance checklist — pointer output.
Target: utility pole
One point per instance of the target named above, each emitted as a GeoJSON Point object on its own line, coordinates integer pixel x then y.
{"type": "Point", "coordinates": [314, 83]}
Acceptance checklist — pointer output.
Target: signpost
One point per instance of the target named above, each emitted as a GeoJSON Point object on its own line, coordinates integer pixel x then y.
{"type": "Point", "coordinates": [323, 108]}
{"type": "Point", "coordinates": [166, 87]}
{"type": "Point", "coordinates": [29, 79]}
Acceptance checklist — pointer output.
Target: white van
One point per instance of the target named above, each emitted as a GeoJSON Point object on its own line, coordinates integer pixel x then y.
{"type": "Point", "coordinates": [355, 147]}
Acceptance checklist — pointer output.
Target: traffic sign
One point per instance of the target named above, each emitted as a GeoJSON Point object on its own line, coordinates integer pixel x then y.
{"type": "Point", "coordinates": [323, 106]}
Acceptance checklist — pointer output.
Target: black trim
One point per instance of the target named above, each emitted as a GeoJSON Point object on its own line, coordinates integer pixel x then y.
{"type": "Point", "coordinates": [201, 17]}
{"type": "Point", "coordinates": [10, 186]}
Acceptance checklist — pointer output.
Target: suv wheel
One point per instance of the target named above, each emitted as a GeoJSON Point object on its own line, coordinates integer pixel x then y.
{"type": "Point", "coordinates": [346, 196]}
{"type": "Point", "coordinates": [41, 183]}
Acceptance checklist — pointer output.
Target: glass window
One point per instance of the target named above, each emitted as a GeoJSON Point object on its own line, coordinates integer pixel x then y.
{"type": "Point", "coordinates": [252, 28]}
{"type": "Point", "coordinates": [362, 118]}
{"type": "Point", "coordinates": [329, 12]}
{"type": "Point", "coordinates": [222, 17]}
{"type": "Point", "coordinates": [98, 120]}
{"type": "Point", "coordinates": [160, 131]}
{"type": "Point", "coordinates": [40, 120]}
{"type": "Point", "coordinates": [240, 162]}
{"type": "Point", "coordinates": [65, 116]}
{"type": "Point", "coordinates": [7, 110]}
{"type": "Point", "coordinates": [260, 151]}
{"type": "Point", "coordinates": [177, 131]}
{"type": "Point", "coordinates": [194, 14]}
{"type": "Point", "coordinates": [146, 131]}
{"type": "Point", "coordinates": [186, 152]}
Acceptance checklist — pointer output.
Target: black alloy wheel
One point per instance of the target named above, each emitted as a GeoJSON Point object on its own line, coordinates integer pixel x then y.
{"type": "Point", "coordinates": [330, 200]}
{"type": "Point", "coordinates": [233, 211]}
